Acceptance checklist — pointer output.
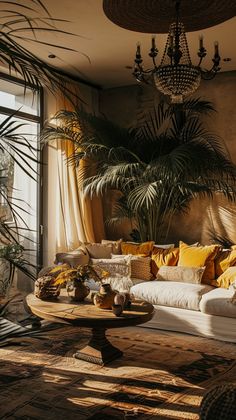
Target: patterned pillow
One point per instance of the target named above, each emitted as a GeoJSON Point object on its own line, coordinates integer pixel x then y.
{"type": "Point", "coordinates": [119, 267]}
{"type": "Point", "coordinates": [140, 266]}
{"type": "Point", "coordinates": [181, 274]}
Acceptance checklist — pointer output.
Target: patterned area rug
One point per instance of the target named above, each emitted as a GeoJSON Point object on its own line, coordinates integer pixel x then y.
{"type": "Point", "coordinates": [162, 375]}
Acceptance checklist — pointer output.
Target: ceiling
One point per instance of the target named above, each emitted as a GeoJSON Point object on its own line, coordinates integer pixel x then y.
{"type": "Point", "coordinates": [111, 48]}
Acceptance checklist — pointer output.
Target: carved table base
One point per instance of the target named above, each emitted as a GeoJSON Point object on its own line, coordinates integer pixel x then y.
{"type": "Point", "coordinates": [99, 350]}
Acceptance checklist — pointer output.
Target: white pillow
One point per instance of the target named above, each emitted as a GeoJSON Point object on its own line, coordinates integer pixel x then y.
{"type": "Point", "coordinates": [181, 274]}
{"type": "Point", "coordinates": [166, 246]}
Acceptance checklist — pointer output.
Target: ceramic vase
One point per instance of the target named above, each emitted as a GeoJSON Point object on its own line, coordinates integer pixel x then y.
{"type": "Point", "coordinates": [78, 291]}
{"type": "Point", "coordinates": [104, 299]}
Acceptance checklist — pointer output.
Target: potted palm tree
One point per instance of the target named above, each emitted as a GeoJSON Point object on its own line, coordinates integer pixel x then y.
{"type": "Point", "coordinates": [158, 167]}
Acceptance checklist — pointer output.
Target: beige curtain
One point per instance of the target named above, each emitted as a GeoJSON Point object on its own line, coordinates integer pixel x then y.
{"type": "Point", "coordinates": [77, 218]}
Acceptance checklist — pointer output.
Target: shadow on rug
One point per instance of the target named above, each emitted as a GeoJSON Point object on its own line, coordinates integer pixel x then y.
{"type": "Point", "coordinates": [160, 376]}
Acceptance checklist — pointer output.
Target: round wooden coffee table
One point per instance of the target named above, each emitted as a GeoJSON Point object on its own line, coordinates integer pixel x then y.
{"type": "Point", "coordinates": [84, 314]}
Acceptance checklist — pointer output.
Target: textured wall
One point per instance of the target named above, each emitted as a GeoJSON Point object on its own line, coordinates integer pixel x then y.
{"type": "Point", "coordinates": [122, 106]}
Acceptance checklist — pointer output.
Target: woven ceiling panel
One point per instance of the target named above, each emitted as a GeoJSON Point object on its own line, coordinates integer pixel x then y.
{"type": "Point", "coordinates": [155, 16]}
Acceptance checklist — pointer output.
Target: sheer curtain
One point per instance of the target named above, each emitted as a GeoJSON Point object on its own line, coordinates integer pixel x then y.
{"type": "Point", "coordinates": [78, 218]}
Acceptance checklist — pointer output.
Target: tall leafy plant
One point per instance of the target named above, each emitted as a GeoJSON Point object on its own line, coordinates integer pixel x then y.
{"type": "Point", "coordinates": [22, 24]}
{"type": "Point", "coordinates": [15, 150]}
{"type": "Point", "coordinates": [158, 167]}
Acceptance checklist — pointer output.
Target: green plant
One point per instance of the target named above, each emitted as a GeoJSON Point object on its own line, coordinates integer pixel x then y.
{"type": "Point", "coordinates": [21, 24]}
{"type": "Point", "coordinates": [15, 149]}
{"type": "Point", "coordinates": [159, 166]}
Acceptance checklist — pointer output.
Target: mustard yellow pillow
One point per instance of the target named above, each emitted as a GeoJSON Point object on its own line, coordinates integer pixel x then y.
{"type": "Point", "coordinates": [160, 257]}
{"type": "Point", "coordinates": [226, 278]}
{"type": "Point", "coordinates": [224, 260]}
{"type": "Point", "coordinates": [199, 256]}
{"type": "Point", "coordinates": [143, 249]}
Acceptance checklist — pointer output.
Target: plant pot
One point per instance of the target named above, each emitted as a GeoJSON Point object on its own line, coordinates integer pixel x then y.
{"type": "Point", "coordinates": [104, 299]}
{"type": "Point", "coordinates": [78, 292]}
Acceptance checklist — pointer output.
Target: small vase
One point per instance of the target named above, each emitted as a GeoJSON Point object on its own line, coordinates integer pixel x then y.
{"type": "Point", "coordinates": [78, 292]}
{"type": "Point", "coordinates": [117, 309]}
{"type": "Point", "coordinates": [104, 299]}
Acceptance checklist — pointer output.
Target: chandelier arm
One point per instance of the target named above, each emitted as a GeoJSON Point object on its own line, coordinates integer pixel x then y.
{"type": "Point", "coordinates": [209, 74]}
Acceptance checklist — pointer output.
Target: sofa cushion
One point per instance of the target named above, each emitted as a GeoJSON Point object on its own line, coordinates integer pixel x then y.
{"type": "Point", "coordinates": [143, 249]}
{"type": "Point", "coordinates": [218, 302]}
{"type": "Point", "coordinates": [181, 274]}
{"type": "Point", "coordinates": [161, 256]}
{"type": "Point", "coordinates": [164, 246]}
{"type": "Point", "coordinates": [73, 258]}
{"type": "Point", "coordinates": [225, 259]}
{"type": "Point", "coordinates": [178, 295]}
{"type": "Point", "coordinates": [199, 256]}
{"type": "Point", "coordinates": [226, 278]}
{"type": "Point", "coordinates": [140, 266]}
{"type": "Point", "coordinates": [97, 250]}
{"type": "Point", "coordinates": [115, 267]}
{"type": "Point", "coordinates": [116, 245]}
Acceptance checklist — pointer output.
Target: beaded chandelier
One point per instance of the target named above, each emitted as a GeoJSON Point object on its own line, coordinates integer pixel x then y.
{"type": "Point", "coordinates": [176, 76]}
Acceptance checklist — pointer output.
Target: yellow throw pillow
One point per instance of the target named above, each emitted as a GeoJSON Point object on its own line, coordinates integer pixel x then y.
{"type": "Point", "coordinates": [143, 249]}
{"type": "Point", "coordinates": [227, 278]}
{"type": "Point", "coordinates": [199, 256]}
{"type": "Point", "coordinates": [224, 260]}
{"type": "Point", "coordinates": [160, 257]}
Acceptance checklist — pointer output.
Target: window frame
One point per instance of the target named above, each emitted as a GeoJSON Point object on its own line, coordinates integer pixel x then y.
{"type": "Point", "coordinates": [40, 120]}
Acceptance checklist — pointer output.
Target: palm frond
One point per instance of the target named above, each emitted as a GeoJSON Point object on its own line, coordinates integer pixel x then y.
{"type": "Point", "coordinates": [160, 166]}
{"type": "Point", "coordinates": [23, 23]}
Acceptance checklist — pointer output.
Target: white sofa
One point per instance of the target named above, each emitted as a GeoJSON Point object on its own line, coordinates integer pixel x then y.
{"type": "Point", "coordinates": [196, 309]}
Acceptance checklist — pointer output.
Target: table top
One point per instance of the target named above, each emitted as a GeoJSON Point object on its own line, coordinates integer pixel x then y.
{"type": "Point", "coordinates": [85, 314]}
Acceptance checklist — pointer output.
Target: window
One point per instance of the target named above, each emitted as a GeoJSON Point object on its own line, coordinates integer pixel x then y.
{"type": "Point", "coordinates": [20, 176]}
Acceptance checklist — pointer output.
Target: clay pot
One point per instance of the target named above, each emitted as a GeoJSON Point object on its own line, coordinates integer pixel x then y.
{"type": "Point", "coordinates": [123, 298]}
{"type": "Point", "coordinates": [78, 292]}
{"type": "Point", "coordinates": [104, 299]}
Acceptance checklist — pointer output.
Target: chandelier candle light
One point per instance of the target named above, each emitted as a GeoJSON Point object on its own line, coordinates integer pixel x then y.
{"type": "Point", "coordinates": [176, 76]}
